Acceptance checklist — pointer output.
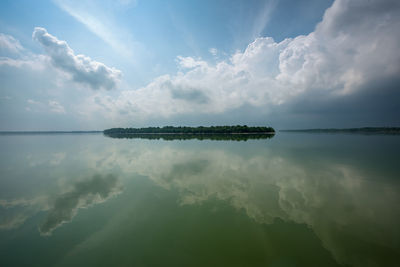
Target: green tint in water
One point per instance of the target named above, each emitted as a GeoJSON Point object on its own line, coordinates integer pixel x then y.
{"type": "Point", "coordinates": [293, 200]}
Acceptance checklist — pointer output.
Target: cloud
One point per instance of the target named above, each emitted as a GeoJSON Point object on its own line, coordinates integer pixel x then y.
{"type": "Point", "coordinates": [82, 69]}
{"type": "Point", "coordinates": [187, 94]}
{"type": "Point", "coordinates": [34, 106]}
{"type": "Point", "coordinates": [35, 62]}
{"type": "Point", "coordinates": [33, 102]}
{"type": "Point", "coordinates": [190, 63]}
{"type": "Point", "coordinates": [13, 54]}
{"type": "Point", "coordinates": [56, 107]}
{"type": "Point", "coordinates": [10, 44]}
{"type": "Point", "coordinates": [343, 74]}
{"type": "Point", "coordinates": [52, 106]}
{"type": "Point", "coordinates": [213, 51]}
{"type": "Point", "coordinates": [84, 193]}
{"type": "Point", "coordinates": [332, 63]}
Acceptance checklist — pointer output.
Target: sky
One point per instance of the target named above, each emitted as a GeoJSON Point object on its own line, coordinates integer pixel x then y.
{"type": "Point", "coordinates": [92, 65]}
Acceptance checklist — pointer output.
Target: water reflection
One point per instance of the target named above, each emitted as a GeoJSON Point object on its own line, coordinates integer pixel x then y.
{"type": "Point", "coordinates": [83, 194]}
{"type": "Point", "coordinates": [62, 207]}
{"type": "Point", "coordinates": [353, 212]}
{"type": "Point", "coordinates": [14, 213]}
{"type": "Point", "coordinates": [347, 202]}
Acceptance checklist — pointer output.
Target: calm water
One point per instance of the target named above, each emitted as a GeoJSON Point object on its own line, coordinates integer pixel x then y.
{"type": "Point", "coordinates": [293, 200]}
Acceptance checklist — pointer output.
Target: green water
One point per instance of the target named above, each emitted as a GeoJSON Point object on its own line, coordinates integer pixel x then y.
{"type": "Point", "coordinates": [292, 200]}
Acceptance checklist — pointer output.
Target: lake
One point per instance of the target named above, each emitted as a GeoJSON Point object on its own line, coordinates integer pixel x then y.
{"type": "Point", "coordinates": [297, 199]}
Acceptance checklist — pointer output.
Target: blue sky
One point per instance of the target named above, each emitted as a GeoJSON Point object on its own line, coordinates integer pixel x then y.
{"type": "Point", "coordinates": [79, 65]}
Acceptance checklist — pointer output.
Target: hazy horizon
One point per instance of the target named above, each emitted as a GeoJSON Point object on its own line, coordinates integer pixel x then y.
{"type": "Point", "coordinates": [101, 130]}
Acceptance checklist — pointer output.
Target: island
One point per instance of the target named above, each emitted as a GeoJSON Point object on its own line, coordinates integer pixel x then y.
{"type": "Point", "coordinates": [238, 132]}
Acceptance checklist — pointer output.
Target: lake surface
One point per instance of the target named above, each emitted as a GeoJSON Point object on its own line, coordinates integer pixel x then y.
{"type": "Point", "coordinates": [296, 199]}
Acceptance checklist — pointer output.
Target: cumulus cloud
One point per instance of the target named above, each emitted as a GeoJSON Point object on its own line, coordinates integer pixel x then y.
{"type": "Point", "coordinates": [345, 71]}
{"type": "Point", "coordinates": [82, 69]}
{"type": "Point", "coordinates": [353, 46]}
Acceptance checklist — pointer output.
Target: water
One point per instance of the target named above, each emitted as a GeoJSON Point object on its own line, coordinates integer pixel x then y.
{"type": "Point", "coordinates": [292, 200]}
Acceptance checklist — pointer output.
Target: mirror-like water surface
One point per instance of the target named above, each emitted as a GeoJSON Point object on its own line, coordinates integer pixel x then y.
{"type": "Point", "coordinates": [292, 200]}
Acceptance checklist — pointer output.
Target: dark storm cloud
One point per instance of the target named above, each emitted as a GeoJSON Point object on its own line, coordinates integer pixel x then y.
{"type": "Point", "coordinates": [375, 104]}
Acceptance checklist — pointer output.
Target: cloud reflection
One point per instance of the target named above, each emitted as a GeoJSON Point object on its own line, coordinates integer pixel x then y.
{"type": "Point", "coordinates": [14, 213]}
{"type": "Point", "coordinates": [84, 193]}
{"type": "Point", "coordinates": [349, 204]}
{"type": "Point", "coordinates": [346, 206]}
{"type": "Point", "coordinates": [61, 208]}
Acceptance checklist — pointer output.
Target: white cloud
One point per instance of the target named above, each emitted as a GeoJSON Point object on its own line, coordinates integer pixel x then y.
{"type": "Point", "coordinates": [56, 107]}
{"type": "Point", "coordinates": [33, 102]}
{"type": "Point", "coordinates": [34, 106]}
{"type": "Point", "coordinates": [213, 51]}
{"type": "Point", "coordinates": [341, 57]}
{"type": "Point", "coordinates": [52, 106]}
{"type": "Point", "coordinates": [9, 43]}
{"type": "Point", "coordinates": [347, 56]}
{"type": "Point", "coordinates": [34, 62]}
{"type": "Point", "coordinates": [82, 69]}
{"type": "Point", "coordinates": [189, 62]}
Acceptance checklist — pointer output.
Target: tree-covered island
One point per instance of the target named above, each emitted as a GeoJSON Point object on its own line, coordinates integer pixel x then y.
{"type": "Point", "coordinates": [238, 129]}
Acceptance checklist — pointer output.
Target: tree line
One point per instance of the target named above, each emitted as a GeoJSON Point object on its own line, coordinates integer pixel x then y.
{"type": "Point", "coordinates": [238, 129]}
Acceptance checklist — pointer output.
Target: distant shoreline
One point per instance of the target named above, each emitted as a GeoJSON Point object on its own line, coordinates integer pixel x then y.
{"type": "Point", "coordinates": [191, 131]}
{"type": "Point", "coordinates": [46, 132]}
{"type": "Point", "coordinates": [362, 130]}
